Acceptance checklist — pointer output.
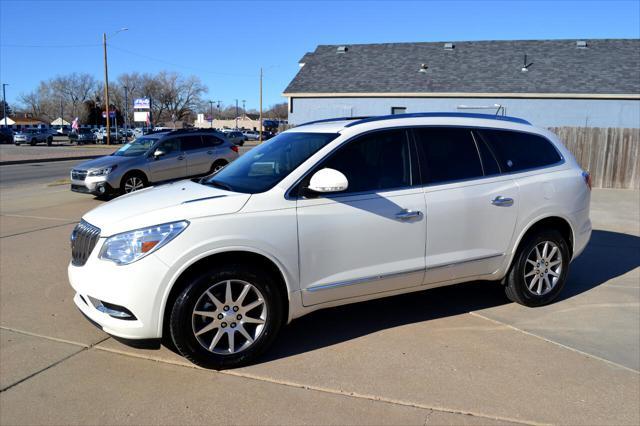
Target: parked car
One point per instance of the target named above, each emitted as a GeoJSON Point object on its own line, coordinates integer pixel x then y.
{"type": "Point", "coordinates": [332, 213]}
{"type": "Point", "coordinates": [115, 137]}
{"type": "Point", "coordinates": [63, 130]}
{"type": "Point", "coordinates": [251, 135]}
{"type": "Point", "coordinates": [32, 137]}
{"type": "Point", "coordinates": [154, 158]}
{"type": "Point", "coordinates": [6, 135]}
{"type": "Point", "coordinates": [82, 136]}
{"type": "Point", "coordinates": [235, 136]}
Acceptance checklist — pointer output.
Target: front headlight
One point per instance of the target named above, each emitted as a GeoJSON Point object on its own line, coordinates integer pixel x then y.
{"type": "Point", "coordinates": [103, 171]}
{"type": "Point", "coordinates": [130, 246]}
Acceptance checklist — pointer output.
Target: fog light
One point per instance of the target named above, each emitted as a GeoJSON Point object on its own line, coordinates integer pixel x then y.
{"type": "Point", "coordinates": [114, 311]}
{"type": "Point", "coordinates": [102, 189]}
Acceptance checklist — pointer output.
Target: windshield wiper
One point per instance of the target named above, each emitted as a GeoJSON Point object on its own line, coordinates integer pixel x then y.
{"type": "Point", "coordinates": [219, 185]}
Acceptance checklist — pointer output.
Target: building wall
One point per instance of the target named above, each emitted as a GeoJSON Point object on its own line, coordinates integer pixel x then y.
{"type": "Point", "coordinates": [540, 112]}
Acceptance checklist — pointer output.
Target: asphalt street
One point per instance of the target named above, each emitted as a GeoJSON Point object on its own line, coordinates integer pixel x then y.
{"type": "Point", "coordinates": [35, 173]}
{"type": "Point", "coordinates": [44, 173]}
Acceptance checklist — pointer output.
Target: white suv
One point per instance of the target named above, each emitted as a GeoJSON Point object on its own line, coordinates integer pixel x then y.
{"type": "Point", "coordinates": [331, 213]}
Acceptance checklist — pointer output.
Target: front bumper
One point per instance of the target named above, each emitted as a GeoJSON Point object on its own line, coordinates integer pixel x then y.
{"type": "Point", "coordinates": [92, 185]}
{"type": "Point", "coordinates": [138, 287]}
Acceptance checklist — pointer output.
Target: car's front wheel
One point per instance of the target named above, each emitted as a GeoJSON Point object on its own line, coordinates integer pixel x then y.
{"type": "Point", "coordinates": [226, 317]}
{"type": "Point", "coordinates": [539, 270]}
{"type": "Point", "coordinates": [133, 182]}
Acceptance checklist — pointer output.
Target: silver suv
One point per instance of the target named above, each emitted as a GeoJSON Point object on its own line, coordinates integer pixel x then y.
{"type": "Point", "coordinates": [154, 158]}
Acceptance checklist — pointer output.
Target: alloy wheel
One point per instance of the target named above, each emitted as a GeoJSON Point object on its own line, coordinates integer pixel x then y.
{"type": "Point", "coordinates": [229, 317]}
{"type": "Point", "coordinates": [134, 183]}
{"type": "Point", "coordinates": [543, 268]}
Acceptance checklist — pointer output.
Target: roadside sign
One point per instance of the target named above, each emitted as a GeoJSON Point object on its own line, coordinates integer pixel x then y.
{"type": "Point", "coordinates": [141, 103]}
{"type": "Point", "coordinates": [112, 114]}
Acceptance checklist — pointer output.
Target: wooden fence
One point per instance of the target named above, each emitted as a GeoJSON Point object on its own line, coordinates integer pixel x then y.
{"type": "Point", "coordinates": [611, 155]}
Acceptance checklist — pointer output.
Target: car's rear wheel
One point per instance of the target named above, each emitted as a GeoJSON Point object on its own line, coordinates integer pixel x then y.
{"type": "Point", "coordinates": [539, 270]}
{"type": "Point", "coordinates": [226, 317]}
{"type": "Point", "coordinates": [217, 166]}
{"type": "Point", "coordinates": [133, 182]}
{"type": "Point", "coordinates": [33, 142]}
{"type": "Point", "coordinates": [49, 140]}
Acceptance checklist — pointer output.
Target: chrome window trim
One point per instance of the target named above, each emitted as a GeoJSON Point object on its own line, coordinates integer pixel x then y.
{"type": "Point", "coordinates": [288, 196]}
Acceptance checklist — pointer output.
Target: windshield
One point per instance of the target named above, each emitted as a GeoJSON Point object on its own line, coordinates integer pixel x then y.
{"type": "Point", "coordinates": [265, 165]}
{"type": "Point", "coordinates": [135, 148]}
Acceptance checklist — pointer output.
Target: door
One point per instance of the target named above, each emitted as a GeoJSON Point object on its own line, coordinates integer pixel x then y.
{"type": "Point", "coordinates": [471, 208]}
{"type": "Point", "coordinates": [171, 165]}
{"type": "Point", "coordinates": [371, 237]}
{"type": "Point", "coordinates": [198, 161]}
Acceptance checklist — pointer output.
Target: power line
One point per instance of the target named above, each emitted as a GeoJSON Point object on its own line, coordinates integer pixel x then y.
{"type": "Point", "coordinates": [50, 46]}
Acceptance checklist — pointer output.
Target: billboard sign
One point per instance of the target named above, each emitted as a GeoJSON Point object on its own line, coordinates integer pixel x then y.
{"type": "Point", "coordinates": [141, 103]}
{"type": "Point", "coordinates": [141, 116]}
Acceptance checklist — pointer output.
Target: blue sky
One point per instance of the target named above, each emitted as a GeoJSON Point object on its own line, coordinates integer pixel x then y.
{"type": "Point", "coordinates": [225, 43]}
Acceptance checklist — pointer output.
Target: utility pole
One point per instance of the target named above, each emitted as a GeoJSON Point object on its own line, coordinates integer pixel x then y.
{"type": "Point", "coordinates": [61, 117]}
{"type": "Point", "coordinates": [244, 109]}
{"type": "Point", "coordinates": [236, 114]}
{"type": "Point", "coordinates": [126, 114]}
{"type": "Point", "coordinates": [211, 114]}
{"type": "Point", "coordinates": [4, 104]}
{"type": "Point", "coordinates": [106, 87]}
{"type": "Point", "coordinates": [260, 124]}
{"type": "Point", "coordinates": [106, 82]}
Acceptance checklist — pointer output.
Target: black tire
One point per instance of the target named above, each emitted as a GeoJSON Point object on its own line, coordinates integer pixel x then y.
{"type": "Point", "coordinates": [49, 141]}
{"type": "Point", "coordinates": [181, 326]}
{"type": "Point", "coordinates": [128, 179]}
{"type": "Point", "coordinates": [516, 287]}
{"type": "Point", "coordinates": [33, 142]}
{"type": "Point", "coordinates": [217, 166]}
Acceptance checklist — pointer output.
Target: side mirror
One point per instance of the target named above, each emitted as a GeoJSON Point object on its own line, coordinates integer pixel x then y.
{"type": "Point", "coordinates": [327, 181]}
{"type": "Point", "coordinates": [159, 153]}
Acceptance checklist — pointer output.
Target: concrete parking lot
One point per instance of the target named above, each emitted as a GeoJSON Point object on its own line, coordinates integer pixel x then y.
{"type": "Point", "coordinates": [456, 355]}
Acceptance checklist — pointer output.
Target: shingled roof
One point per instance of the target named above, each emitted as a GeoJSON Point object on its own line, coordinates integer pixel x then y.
{"type": "Point", "coordinates": [606, 66]}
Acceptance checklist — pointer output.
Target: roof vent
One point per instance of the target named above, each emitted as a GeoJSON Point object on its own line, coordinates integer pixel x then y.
{"type": "Point", "coordinates": [423, 68]}
{"type": "Point", "coordinates": [525, 65]}
{"type": "Point", "coordinates": [342, 49]}
{"type": "Point", "coordinates": [581, 44]}
{"type": "Point", "coordinates": [449, 46]}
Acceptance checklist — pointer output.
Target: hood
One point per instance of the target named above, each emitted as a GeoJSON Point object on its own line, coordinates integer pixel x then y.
{"type": "Point", "coordinates": [106, 161]}
{"type": "Point", "coordinates": [165, 203]}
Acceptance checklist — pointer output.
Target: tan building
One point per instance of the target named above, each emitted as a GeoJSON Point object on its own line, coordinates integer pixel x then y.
{"type": "Point", "coordinates": [244, 122]}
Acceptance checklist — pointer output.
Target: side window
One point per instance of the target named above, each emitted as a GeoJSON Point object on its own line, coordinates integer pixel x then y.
{"type": "Point", "coordinates": [517, 151]}
{"type": "Point", "coordinates": [210, 140]}
{"type": "Point", "coordinates": [447, 154]}
{"type": "Point", "coordinates": [374, 162]}
{"type": "Point", "coordinates": [190, 143]}
{"type": "Point", "coordinates": [170, 146]}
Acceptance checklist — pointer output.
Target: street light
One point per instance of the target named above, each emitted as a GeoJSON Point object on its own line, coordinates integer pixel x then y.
{"type": "Point", "coordinates": [106, 81]}
{"type": "Point", "coordinates": [236, 114]}
{"type": "Point", "coordinates": [4, 104]}
{"type": "Point", "coordinates": [244, 110]}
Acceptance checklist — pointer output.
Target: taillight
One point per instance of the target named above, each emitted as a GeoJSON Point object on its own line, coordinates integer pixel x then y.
{"type": "Point", "coordinates": [234, 148]}
{"type": "Point", "coordinates": [587, 179]}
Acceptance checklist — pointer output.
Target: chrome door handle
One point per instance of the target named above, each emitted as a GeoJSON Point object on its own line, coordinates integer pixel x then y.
{"type": "Point", "coordinates": [408, 215]}
{"type": "Point", "coordinates": [502, 201]}
{"type": "Point", "coordinates": [209, 152]}
{"type": "Point", "coordinates": [181, 157]}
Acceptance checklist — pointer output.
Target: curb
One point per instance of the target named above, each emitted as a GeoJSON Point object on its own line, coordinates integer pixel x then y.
{"type": "Point", "coordinates": [49, 160]}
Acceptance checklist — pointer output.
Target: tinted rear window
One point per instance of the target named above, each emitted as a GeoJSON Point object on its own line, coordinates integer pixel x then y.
{"type": "Point", "coordinates": [517, 151]}
{"type": "Point", "coordinates": [447, 154]}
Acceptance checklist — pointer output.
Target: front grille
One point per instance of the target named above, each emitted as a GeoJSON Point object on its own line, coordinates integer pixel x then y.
{"type": "Point", "coordinates": [83, 240]}
{"type": "Point", "coordinates": [78, 174]}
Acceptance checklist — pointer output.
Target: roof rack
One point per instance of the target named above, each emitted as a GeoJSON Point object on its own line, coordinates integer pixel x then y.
{"type": "Point", "coordinates": [328, 120]}
{"type": "Point", "coordinates": [440, 114]}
